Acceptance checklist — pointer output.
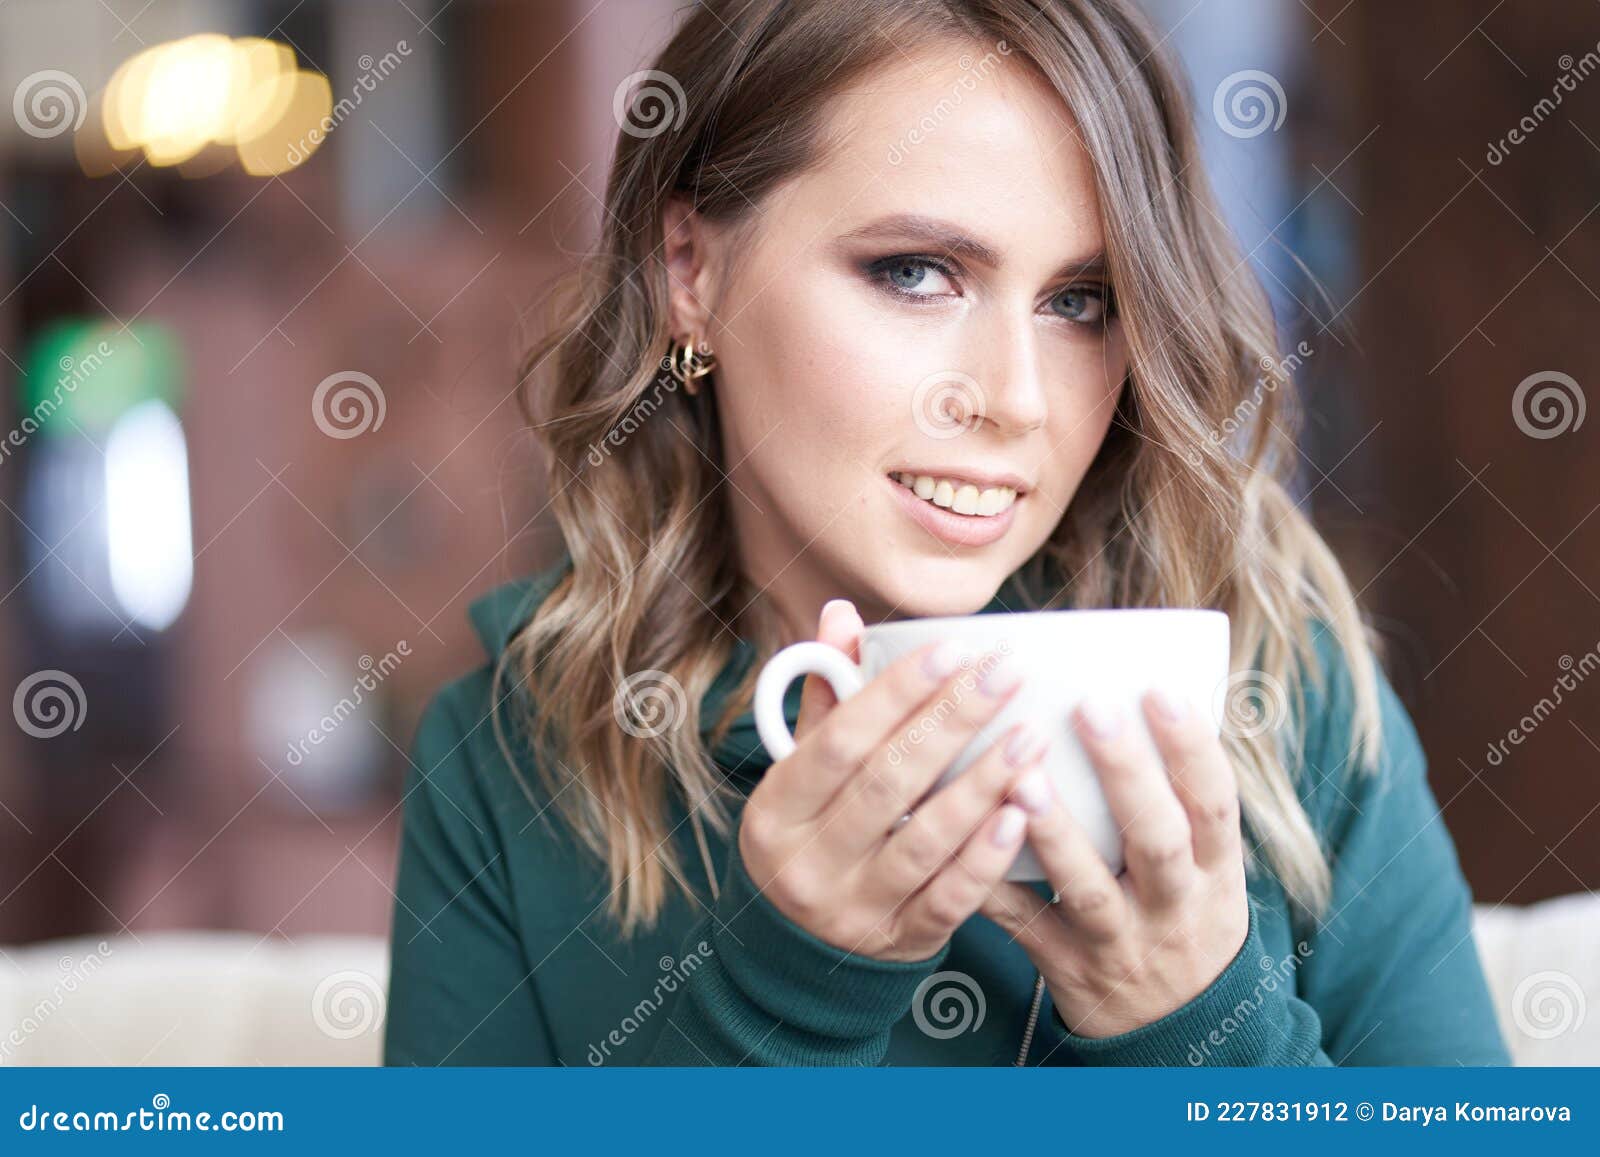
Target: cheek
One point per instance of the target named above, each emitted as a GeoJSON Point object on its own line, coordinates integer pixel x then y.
{"type": "Point", "coordinates": [813, 370]}
{"type": "Point", "coordinates": [1079, 425]}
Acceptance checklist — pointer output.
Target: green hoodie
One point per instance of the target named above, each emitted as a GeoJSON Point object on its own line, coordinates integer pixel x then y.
{"type": "Point", "coordinates": [503, 953]}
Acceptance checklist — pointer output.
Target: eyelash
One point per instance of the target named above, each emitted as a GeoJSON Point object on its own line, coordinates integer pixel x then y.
{"type": "Point", "coordinates": [878, 271]}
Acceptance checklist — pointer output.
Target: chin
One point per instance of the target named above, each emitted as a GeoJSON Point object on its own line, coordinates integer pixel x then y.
{"type": "Point", "coordinates": [938, 592]}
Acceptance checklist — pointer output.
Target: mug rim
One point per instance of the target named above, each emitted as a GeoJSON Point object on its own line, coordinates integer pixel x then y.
{"type": "Point", "coordinates": [1086, 612]}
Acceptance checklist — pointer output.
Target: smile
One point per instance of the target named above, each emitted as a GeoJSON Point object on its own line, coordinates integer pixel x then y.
{"type": "Point", "coordinates": [957, 511]}
{"type": "Point", "coordinates": [957, 495]}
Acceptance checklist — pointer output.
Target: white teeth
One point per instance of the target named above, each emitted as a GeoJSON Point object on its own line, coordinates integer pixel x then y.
{"type": "Point", "coordinates": [954, 494]}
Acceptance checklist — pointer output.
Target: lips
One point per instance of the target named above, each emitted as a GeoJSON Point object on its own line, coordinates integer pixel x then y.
{"type": "Point", "coordinates": [944, 522]}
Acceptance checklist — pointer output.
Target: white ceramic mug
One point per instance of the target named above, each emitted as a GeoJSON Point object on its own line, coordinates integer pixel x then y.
{"type": "Point", "coordinates": [1064, 657]}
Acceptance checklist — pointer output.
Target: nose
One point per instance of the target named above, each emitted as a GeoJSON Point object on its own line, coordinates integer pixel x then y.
{"type": "Point", "coordinates": [1012, 381]}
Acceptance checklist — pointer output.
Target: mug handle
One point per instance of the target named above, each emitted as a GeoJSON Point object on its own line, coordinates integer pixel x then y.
{"type": "Point", "coordinates": [785, 667]}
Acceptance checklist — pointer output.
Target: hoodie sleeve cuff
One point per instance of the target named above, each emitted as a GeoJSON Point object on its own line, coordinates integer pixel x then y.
{"type": "Point", "coordinates": [803, 982]}
{"type": "Point", "coordinates": [1240, 1019]}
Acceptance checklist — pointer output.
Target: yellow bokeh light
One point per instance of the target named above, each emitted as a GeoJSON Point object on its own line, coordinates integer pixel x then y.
{"type": "Point", "coordinates": [175, 100]}
{"type": "Point", "coordinates": [185, 96]}
{"type": "Point", "coordinates": [260, 94]}
{"type": "Point", "coordinates": [123, 103]}
{"type": "Point", "coordinates": [297, 133]}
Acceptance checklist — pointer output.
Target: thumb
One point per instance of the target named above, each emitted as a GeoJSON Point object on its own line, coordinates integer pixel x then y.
{"type": "Point", "coordinates": [839, 626]}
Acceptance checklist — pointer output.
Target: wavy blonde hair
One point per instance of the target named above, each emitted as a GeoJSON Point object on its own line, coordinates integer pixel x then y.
{"type": "Point", "coordinates": [1171, 513]}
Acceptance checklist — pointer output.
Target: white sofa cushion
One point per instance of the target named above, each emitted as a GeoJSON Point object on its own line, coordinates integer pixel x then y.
{"type": "Point", "coordinates": [232, 998]}
{"type": "Point", "coordinates": [194, 998]}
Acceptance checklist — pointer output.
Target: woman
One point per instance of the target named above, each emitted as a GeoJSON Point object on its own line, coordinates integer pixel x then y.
{"type": "Point", "coordinates": [850, 351]}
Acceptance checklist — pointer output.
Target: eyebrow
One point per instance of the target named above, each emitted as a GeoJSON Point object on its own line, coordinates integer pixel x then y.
{"type": "Point", "coordinates": [952, 240]}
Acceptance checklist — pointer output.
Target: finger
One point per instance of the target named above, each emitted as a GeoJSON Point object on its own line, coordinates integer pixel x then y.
{"type": "Point", "coordinates": [839, 626]}
{"type": "Point", "coordinates": [1089, 897]}
{"type": "Point", "coordinates": [926, 743]}
{"type": "Point", "coordinates": [1157, 844]}
{"type": "Point", "coordinates": [836, 747]}
{"type": "Point", "coordinates": [1202, 777]}
{"type": "Point", "coordinates": [944, 822]}
{"type": "Point", "coordinates": [955, 893]}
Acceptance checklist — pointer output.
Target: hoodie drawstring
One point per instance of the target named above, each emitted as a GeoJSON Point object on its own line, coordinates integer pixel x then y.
{"type": "Point", "coordinates": [1033, 1021]}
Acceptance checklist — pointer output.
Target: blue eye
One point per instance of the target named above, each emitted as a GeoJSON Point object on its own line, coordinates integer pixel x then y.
{"type": "Point", "coordinates": [912, 277]}
{"type": "Point", "coordinates": [1084, 304]}
{"type": "Point", "coordinates": [907, 274]}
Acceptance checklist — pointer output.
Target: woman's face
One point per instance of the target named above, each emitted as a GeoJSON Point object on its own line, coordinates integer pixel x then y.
{"type": "Point", "coordinates": [926, 306]}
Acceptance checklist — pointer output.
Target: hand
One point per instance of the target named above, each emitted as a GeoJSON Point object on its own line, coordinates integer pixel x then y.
{"type": "Point", "coordinates": [819, 835]}
{"type": "Point", "coordinates": [1121, 952]}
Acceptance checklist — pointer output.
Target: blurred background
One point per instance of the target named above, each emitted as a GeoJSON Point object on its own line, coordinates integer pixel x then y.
{"type": "Point", "coordinates": [265, 269]}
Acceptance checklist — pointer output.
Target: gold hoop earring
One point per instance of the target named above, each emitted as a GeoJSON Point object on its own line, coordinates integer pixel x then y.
{"type": "Point", "coordinates": [690, 361]}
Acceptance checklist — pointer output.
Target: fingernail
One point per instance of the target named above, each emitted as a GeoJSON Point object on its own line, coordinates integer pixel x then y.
{"type": "Point", "coordinates": [944, 660]}
{"type": "Point", "coordinates": [836, 607]}
{"type": "Point", "coordinates": [1024, 746]}
{"type": "Point", "coordinates": [1000, 679]}
{"type": "Point", "coordinates": [1101, 717]}
{"type": "Point", "coordinates": [1167, 705]}
{"type": "Point", "coordinates": [1033, 792]}
{"type": "Point", "coordinates": [1009, 829]}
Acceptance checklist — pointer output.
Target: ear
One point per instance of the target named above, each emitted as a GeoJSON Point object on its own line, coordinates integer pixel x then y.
{"type": "Point", "coordinates": [686, 252]}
